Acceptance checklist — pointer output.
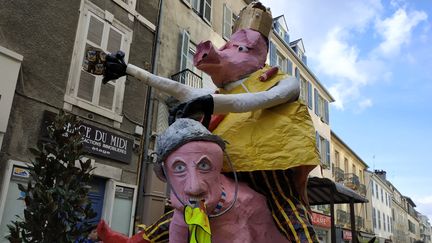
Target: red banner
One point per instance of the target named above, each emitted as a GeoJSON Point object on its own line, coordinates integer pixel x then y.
{"type": "Point", "coordinates": [321, 220]}
{"type": "Point", "coordinates": [347, 235]}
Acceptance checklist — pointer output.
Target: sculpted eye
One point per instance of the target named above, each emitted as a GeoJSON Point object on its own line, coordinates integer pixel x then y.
{"type": "Point", "coordinates": [179, 167]}
{"type": "Point", "coordinates": [242, 49]}
{"type": "Point", "coordinates": [204, 165]}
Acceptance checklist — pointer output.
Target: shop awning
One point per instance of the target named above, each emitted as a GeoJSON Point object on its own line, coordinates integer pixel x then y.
{"type": "Point", "coordinates": [322, 190]}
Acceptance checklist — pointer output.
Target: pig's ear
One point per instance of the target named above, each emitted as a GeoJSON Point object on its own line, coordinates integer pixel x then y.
{"type": "Point", "coordinates": [246, 37]}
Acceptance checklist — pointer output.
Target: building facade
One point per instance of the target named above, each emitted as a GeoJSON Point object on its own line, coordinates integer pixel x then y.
{"type": "Point", "coordinates": [425, 229]}
{"type": "Point", "coordinates": [41, 53]}
{"type": "Point", "coordinates": [382, 219]}
{"type": "Point", "coordinates": [349, 169]}
{"type": "Point", "coordinates": [184, 24]}
{"type": "Point", "coordinates": [413, 221]}
{"type": "Point", "coordinates": [399, 216]}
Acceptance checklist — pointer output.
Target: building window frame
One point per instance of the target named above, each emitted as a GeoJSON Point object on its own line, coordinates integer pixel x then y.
{"type": "Point", "coordinates": [110, 23]}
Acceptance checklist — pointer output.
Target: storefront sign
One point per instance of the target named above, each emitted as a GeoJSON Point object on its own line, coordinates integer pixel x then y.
{"type": "Point", "coordinates": [321, 220]}
{"type": "Point", "coordinates": [347, 235]}
{"type": "Point", "coordinates": [98, 141]}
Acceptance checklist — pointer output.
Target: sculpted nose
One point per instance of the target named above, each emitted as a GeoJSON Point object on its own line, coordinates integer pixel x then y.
{"type": "Point", "coordinates": [194, 186]}
{"type": "Point", "coordinates": [205, 53]}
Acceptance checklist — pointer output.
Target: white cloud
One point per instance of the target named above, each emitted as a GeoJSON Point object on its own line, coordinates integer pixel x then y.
{"type": "Point", "coordinates": [396, 30]}
{"type": "Point", "coordinates": [424, 206]}
{"type": "Point", "coordinates": [363, 104]}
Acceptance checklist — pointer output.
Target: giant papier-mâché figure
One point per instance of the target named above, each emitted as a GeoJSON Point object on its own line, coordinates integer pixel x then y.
{"type": "Point", "coordinates": [270, 135]}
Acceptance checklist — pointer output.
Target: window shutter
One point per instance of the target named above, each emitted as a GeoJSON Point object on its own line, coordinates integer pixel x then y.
{"type": "Point", "coordinates": [297, 73]}
{"type": "Point", "coordinates": [95, 31]}
{"type": "Point", "coordinates": [184, 50]}
{"type": "Point", "coordinates": [114, 41]}
{"type": "Point", "coordinates": [276, 26]}
{"type": "Point", "coordinates": [316, 102]}
{"type": "Point", "coordinates": [318, 143]}
{"type": "Point", "coordinates": [289, 67]}
{"type": "Point", "coordinates": [326, 111]}
{"type": "Point", "coordinates": [309, 94]}
{"type": "Point", "coordinates": [286, 38]}
{"type": "Point", "coordinates": [273, 56]}
{"type": "Point", "coordinates": [207, 10]}
{"type": "Point", "coordinates": [304, 59]}
{"type": "Point", "coordinates": [327, 152]}
{"type": "Point", "coordinates": [227, 18]}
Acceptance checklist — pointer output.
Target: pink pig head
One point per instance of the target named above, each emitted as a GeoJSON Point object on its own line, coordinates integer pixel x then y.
{"type": "Point", "coordinates": [243, 54]}
{"type": "Point", "coordinates": [195, 175]}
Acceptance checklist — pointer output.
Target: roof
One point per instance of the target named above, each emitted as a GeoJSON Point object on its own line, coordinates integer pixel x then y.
{"type": "Point", "coordinates": [282, 21]}
{"type": "Point", "coordinates": [333, 134]}
{"type": "Point", "coordinates": [299, 43]}
{"type": "Point", "coordinates": [322, 190]}
{"type": "Point", "coordinates": [410, 201]}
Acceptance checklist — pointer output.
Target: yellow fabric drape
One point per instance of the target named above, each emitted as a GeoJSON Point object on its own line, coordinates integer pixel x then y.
{"type": "Point", "coordinates": [277, 138]}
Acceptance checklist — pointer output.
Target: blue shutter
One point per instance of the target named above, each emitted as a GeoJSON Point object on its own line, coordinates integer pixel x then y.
{"type": "Point", "coordinates": [297, 73]}
{"type": "Point", "coordinates": [318, 143]}
{"type": "Point", "coordinates": [276, 26]}
{"type": "Point", "coordinates": [327, 152]}
{"type": "Point", "coordinates": [289, 67]}
{"type": "Point", "coordinates": [304, 59]}
{"type": "Point", "coordinates": [316, 101]}
{"type": "Point", "coordinates": [286, 38]}
{"type": "Point", "coordinates": [309, 94]}
{"type": "Point", "coordinates": [326, 111]}
{"type": "Point", "coordinates": [273, 56]}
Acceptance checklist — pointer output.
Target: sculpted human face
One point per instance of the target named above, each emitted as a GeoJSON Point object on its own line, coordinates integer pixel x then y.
{"type": "Point", "coordinates": [194, 173]}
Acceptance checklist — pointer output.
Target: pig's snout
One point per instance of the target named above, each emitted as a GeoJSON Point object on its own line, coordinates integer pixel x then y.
{"type": "Point", "coordinates": [206, 54]}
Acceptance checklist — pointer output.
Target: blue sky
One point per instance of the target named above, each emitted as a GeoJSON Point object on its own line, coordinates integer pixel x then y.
{"type": "Point", "coordinates": [375, 58]}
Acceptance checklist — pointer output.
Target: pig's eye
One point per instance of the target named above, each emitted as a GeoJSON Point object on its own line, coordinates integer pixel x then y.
{"type": "Point", "coordinates": [242, 49]}
{"type": "Point", "coordinates": [179, 167]}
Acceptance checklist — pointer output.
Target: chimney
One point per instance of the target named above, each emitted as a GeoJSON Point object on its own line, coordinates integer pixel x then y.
{"type": "Point", "coordinates": [381, 174]}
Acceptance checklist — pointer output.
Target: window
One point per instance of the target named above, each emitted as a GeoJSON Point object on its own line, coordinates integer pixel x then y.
{"type": "Point", "coordinates": [388, 223]}
{"type": "Point", "coordinates": [323, 146]}
{"type": "Point", "coordinates": [379, 220]}
{"type": "Point", "coordinates": [309, 95]}
{"type": "Point", "coordinates": [337, 159]}
{"type": "Point", "coordinates": [374, 218]}
{"type": "Point", "coordinates": [201, 7]}
{"type": "Point", "coordinates": [321, 107]}
{"type": "Point", "coordinates": [345, 164]}
{"type": "Point", "coordinates": [228, 20]}
{"type": "Point", "coordinates": [354, 169]}
{"type": "Point", "coordinates": [386, 199]}
{"type": "Point", "coordinates": [382, 195]}
{"type": "Point", "coordinates": [100, 29]}
{"type": "Point", "coordinates": [376, 190]}
{"type": "Point", "coordinates": [361, 175]}
{"type": "Point", "coordinates": [188, 50]}
{"type": "Point", "coordinates": [411, 227]}
{"type": "Point", "coordinates": [305, 91]}
{"type": "Point", "coordinates": [272, 53]}
{"type": "Point", "coordinates": [281, 61]}
{"type": "Point", "coordinates": [373, 189]}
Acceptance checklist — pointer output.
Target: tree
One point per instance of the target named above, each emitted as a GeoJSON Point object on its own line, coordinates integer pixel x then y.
{"type": "Point", "coordinates": [57, 206]}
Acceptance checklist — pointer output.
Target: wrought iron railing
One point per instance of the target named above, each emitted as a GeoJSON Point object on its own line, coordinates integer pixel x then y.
{"type": "Point", "coordinates": [188, 77]}
{"type": "Point", "coordinates": [341, 216]}
{"type": "Point", "coordinates": [362, 190]}
{"type": "Point", "coordinates": [339, 174]}
{"type": "Point", "coordinates": [352, 181]}
{"type": "Point", "coordinates": [359, 222]}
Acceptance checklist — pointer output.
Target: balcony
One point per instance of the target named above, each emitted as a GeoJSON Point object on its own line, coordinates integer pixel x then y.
{"type": "Point", "coordinates": [359, 222]}
{"type": "Point", "coordinates": [342, 217]}
{"type": "Point", "coordinates": [339, 174]}
{"type": "Point", "coordinates": [352, 181]}
{"type": "Point", "coordinates": [362, 190]}
{"type": "Point", "coordinates": [189, 78]}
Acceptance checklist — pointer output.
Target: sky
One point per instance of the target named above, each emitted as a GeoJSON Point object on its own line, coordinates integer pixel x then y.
{"type": "Point", "coordinates": [375, 58]}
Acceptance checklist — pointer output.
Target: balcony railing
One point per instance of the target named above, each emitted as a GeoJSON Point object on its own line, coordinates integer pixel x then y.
{"type": "Point", "coordinates": [189, 78]}
{"type": "Point", "coordinates": [362, 190]}
{"type": "Point", "coordinates": [342, 216]}
{"type": "Point", "coordinates": [359, 222]}
{"type": "Point", "coordinates": [352, 181]}
{"type": "Point", "coordinates": [339, 174]}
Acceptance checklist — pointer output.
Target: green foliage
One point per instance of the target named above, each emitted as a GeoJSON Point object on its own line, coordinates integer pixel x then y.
{"type": "Point", "coordinates": [57, 206]}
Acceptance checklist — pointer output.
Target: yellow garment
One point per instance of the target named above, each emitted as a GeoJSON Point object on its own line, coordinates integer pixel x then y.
{"type": "Point", "coordinates": [199, 225]}
{"type": "Point", "coordinates": [276, 138]}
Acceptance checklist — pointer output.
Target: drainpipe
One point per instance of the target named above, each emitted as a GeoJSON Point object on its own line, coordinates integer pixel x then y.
{"type": "Point", "coordinates": [148, 118]}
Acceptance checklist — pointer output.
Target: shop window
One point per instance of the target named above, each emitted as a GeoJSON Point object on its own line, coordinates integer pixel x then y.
{"type": "Point", "coordinates": [97, 29]}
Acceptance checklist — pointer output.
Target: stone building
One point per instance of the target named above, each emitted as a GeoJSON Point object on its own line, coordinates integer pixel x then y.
{"type": "Point", "coordinates": [42, 45]}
